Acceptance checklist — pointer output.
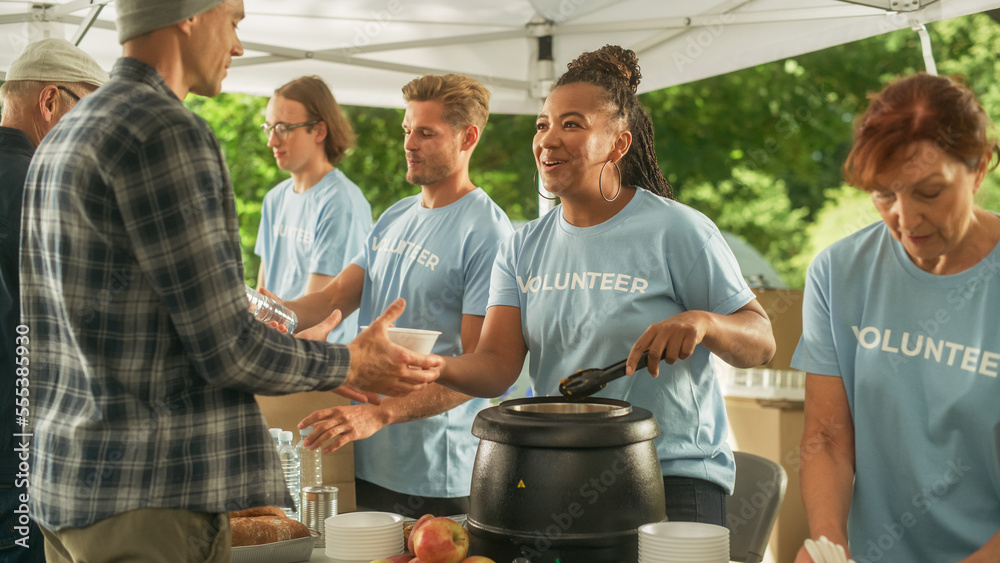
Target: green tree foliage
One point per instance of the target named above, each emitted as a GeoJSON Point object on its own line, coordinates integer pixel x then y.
{"type": "Point", "coordinates": [846, 210]}
{"type": "Point", "coordinates": [765, 219]}
{"type": "Point", "coordinates": [758, 150]}
{"type": "Point", "coordinates": [791, 122]}
{"type": "Point", "coordinates": [236, 119]}
{"type": "Point", "coordinates": [378, 164]}
{"type": "Point", "coordinates": [784, 127]}
{"type": "Point", "coordinates": [964, 47]}
{"type": "Point", "coordinates": [502, 164]}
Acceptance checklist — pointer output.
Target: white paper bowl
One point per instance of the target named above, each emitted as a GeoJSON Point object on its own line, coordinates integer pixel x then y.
{"type": "Point", "coordinates": [365, 521]}
{"type": "Point", "coordinates": [363, 536]}
{"type": "Point", "coordinates": [416, 339]}
{"type": "Point", "coordinates": [349, 550]}
{"type": "Point", "coordinates": [682, 530]}
{"type": "Point", "coordinates": [348, 544]}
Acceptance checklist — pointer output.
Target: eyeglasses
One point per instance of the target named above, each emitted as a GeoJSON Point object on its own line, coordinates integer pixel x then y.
{"type": "Point", "coordinates": [281, 129]}
{"type": "Point", "coordinates": [70, 92]}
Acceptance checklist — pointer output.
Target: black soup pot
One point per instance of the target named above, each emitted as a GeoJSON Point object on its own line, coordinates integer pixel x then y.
{"type": "Point", "coordinates": [559, 481]}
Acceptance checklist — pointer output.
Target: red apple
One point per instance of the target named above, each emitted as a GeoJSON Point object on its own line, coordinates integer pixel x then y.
{"type": "Point", "coordinates": [478, 559]}
{"type": "Point", "coordinates": [440, 540]}
{"type": "Point", "coordinates": [416, 525]}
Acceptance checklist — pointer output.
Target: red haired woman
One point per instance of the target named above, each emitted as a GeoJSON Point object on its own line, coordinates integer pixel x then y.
{"type": "Point", "coordinates": [901, 451]}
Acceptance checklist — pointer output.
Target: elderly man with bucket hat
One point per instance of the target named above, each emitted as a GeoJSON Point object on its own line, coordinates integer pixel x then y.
{"type": "Point", "coordinates": [43, 83]}
{"type": "Point", "coordinates": [144, 359]}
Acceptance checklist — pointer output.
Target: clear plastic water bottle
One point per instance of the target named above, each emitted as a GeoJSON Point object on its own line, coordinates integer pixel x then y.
{"type": "Point", "coordinates": [290, 466]}
{"type": "Point", "coordinates": [311, 461]}
{"type": "Point", "coordinates": [270, 312]}
{"type": "Point", "coordinates": [275, 435]}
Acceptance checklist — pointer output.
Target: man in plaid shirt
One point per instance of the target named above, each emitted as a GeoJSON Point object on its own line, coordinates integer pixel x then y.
{"type": "Point", "coordinates": [144, 359]}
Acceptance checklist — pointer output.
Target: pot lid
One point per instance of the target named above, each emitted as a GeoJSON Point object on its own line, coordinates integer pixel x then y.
{"type": "Point", "coordinates": [554, 422]}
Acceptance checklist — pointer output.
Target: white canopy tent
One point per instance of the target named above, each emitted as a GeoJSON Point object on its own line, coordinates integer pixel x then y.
{"type": "Point", "coordinates": [367, 49]}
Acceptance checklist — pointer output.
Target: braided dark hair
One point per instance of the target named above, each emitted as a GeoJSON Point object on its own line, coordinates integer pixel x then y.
{"type": "Point", "coordinates": [616, 70]}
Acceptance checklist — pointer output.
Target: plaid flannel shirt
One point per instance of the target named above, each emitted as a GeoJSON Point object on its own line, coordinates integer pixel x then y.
{"type": "Point", "coordinates": [144, 359]}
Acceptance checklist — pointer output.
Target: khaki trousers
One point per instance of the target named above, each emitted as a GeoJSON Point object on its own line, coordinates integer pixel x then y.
{"type": "Point", "coordinates": [152, 535]}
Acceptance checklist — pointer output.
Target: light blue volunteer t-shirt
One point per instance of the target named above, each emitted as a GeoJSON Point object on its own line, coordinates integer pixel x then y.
{"type": "Point", "coordinates": [919, 355]}
{"type": "Point", "coordinates": [439, 260]}
{"type": "Point", "coordinates": [318, 231]}
{"type": "Point", "coordinates": [587, 294]}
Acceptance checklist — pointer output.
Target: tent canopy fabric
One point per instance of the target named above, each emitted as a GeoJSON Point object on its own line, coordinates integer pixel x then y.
{"type": "Point", "coordinates": [367, 49]}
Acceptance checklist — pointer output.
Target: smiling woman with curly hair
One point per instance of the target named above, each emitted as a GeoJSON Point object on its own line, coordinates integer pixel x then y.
{"type": "Point", "coordinates": [620, 268]}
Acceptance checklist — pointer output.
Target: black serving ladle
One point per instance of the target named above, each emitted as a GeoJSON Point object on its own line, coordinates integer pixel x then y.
{"type": "Point", "coordinates": [585, 383]}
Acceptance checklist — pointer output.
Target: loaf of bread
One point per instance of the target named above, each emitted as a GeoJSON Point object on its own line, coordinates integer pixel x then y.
{"type": "Point", "coordinates": [257, 511]}
{"type": "Point", "coordinates": [264, 528]}
{"type": "Point", "coordinates": [407, 530]}
{"type": "Point", "coordinates": [252, 531]}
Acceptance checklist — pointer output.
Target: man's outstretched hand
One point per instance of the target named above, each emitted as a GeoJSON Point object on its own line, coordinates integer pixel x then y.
{"type": "Point", "coordinates": [380, 366]}
{"type": "Point", "coordinates": [319, 332]}
{"type": "Point", "coordinates": [322, 330]}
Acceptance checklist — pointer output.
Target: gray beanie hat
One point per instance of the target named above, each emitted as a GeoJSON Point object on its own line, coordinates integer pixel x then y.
{"type": "Point", "coordinates": [56, 60]}
{"type": "Point", "coordinates": [136, 17]}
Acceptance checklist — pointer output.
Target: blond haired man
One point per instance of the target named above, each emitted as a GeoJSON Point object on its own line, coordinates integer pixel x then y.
{"type": "Point", "coordinates": [436, 249]}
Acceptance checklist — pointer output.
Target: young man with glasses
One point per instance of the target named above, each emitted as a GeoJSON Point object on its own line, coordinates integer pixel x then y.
{"type": "Point", "coordinates": [315, 222]}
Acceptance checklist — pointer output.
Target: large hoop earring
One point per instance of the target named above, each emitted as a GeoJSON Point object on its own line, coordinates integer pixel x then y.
{"type": "Point", "coordinates": [601, 177]}
{"type": "Point", "coordinates": [534, 179]}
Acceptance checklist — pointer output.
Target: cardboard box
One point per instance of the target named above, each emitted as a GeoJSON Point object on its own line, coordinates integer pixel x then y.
{"type": "Point", "coordinates": [338, 467]}
{"type": "Point", "coordinates": [784, 308]}
{"type": "Point", "coordinates": [773, 429]}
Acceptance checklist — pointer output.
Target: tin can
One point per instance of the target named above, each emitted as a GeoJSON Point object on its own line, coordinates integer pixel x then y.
{"type": "Point", "coordinates": [318, 504]}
